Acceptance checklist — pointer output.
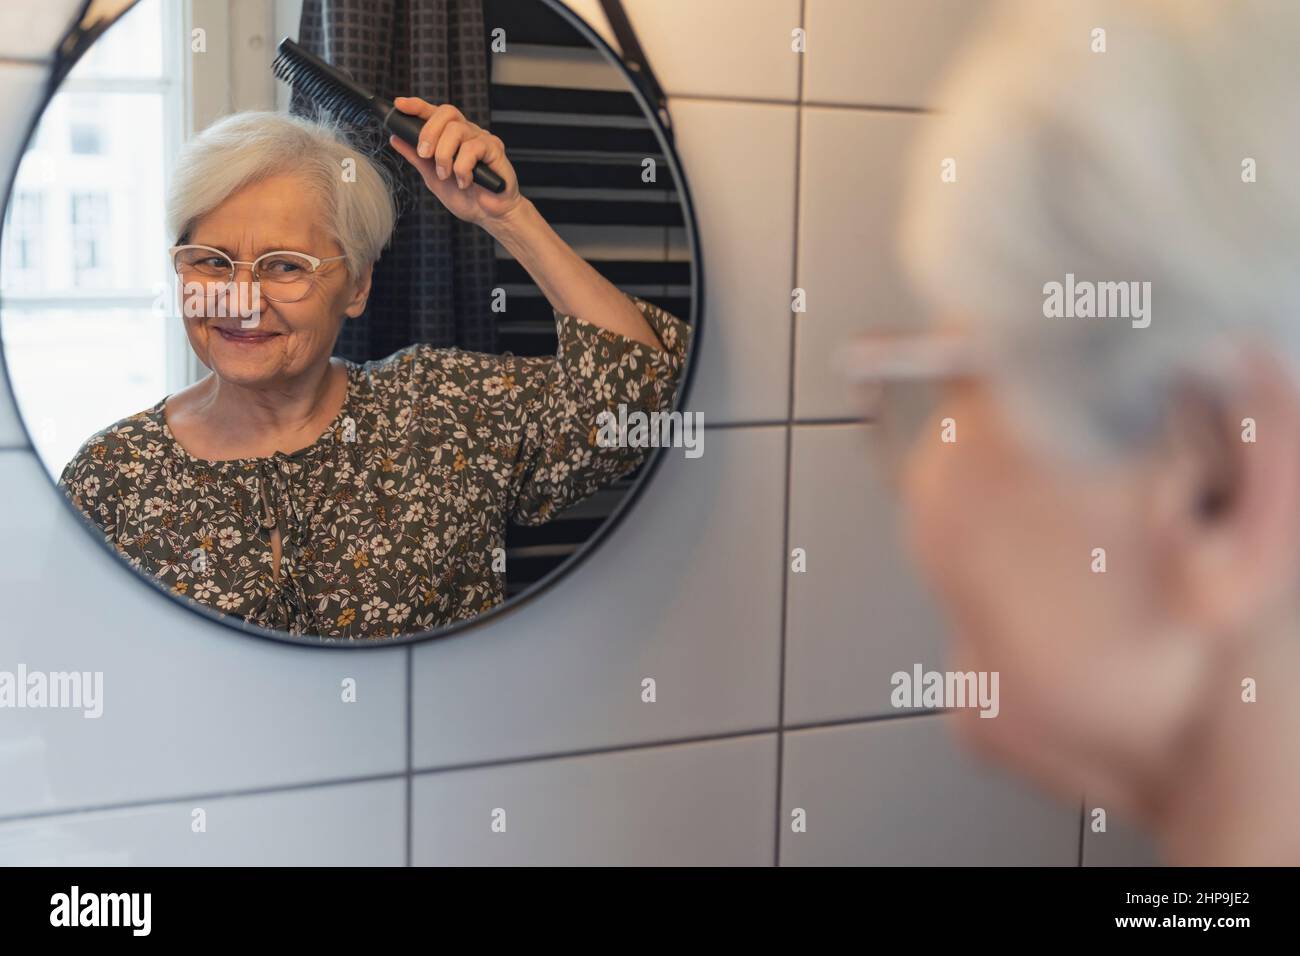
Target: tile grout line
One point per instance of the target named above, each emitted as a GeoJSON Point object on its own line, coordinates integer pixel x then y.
{"type": "Point", "coordinates": [789, 456]}
{"type": "Point", "coordinates": [158, 801]}
{"type": "Point", "coordinates": [206, 795]}
{"type": "Point", "coordinates": [673, 742]}
{"type": "Point", "coordinates": [595, 751]}
{"type": "Point", "coordinates": [410, 751]}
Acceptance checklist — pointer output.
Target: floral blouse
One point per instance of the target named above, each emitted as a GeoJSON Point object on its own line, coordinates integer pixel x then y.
{"type": "Point", "coordinates": [394, 520]}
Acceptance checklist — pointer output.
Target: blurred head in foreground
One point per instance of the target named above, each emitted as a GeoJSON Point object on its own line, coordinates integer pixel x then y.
{"type": "Point", "coordinates": [1112, 515]}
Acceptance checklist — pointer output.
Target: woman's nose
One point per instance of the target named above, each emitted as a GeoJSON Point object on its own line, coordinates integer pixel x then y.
{"type": "Point", "coordinates": [240, 298]}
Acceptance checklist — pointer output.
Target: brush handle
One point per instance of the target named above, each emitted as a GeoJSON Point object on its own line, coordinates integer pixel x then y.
{"type": "Point", "coordinates": [408, 127]}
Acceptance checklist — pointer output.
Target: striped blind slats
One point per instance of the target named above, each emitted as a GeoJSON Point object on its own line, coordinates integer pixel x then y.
{"type": "Point", "coordinates": [579, 153]}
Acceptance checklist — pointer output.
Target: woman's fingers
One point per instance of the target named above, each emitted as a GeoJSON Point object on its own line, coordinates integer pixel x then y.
{"type": "Point", "coordinates": [414, 106]}
{"type": "Point", "coordinates": [477, 150]}
{"type": "Point", "coordinates": [449, 141]}
{"type": "Point", "coordinates": [435, 117]}
{"type": "Point", "coordinates": [445, 131]}
{"type": "Point", "coordinates": [434, 127]}
{"type": "Point", "coordinates": [449, 147]}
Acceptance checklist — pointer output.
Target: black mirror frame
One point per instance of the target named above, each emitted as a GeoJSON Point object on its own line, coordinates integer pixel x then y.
{"type": "Point", "coordinates": [83, 33]}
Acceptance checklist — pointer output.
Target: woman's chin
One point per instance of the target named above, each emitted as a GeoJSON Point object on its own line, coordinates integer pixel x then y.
{"type": "Point", "coordinates": [246, 370]}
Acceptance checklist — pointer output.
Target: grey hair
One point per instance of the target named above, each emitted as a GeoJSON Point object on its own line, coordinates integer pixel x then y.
{"type": "Point", "coordinates": [247, 147]}
{"type": "Point", "coordinates": [1123, 165]}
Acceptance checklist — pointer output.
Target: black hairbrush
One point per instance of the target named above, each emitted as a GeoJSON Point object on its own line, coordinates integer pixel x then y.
{"type": "Point", "coordinates": [332, 89]}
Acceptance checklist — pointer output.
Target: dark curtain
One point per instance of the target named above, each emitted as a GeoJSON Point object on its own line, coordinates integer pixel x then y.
{"type": "Point", "coordinates": [432, 285]}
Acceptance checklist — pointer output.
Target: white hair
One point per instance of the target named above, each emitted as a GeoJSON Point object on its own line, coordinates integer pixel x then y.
{"type": "Point", "coordinates": [1124, 165]}
{"type": "Point", "coordinates": [357, 204]}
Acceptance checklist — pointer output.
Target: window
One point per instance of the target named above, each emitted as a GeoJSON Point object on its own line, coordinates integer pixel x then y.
{"type": "Point", "coordinates": [84, 270]}
{"type": "Point", "coordinates": [89, 219]}
{"type": "Point", "coordinates": [23, 236]}
{"type": "Point", "coordinates": [85, 137]}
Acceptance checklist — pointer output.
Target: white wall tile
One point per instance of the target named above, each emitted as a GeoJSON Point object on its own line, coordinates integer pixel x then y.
{"type": "Point", "coordinates": [860, 612]}
{"type": "Point", "coordinates": [189, 706]}
{"type": "Point", "coordinates": [701, 804]}
{"type": "Point", "coordinates": [739, 161]}
{"type": "Point", "coordinates": [851, 173]}
{"type": "Point", "coordinates": [900, 793]}
{"type": "Point", "coordinates": [721, 48]}
{"type": "Point", "coordinates": [356, 824]}
{"type": "Point", "coordinates": [33, 28]}
{"type": "Point", "coordinates": [686, 591]}
{"type": "Point", "coordinates": [883, 52]}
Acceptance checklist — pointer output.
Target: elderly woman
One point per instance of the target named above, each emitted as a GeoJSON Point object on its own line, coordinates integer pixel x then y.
{"type": "Point", "coordinates": [1106, 494]}
{"type": "Point", "coordinates": [315, 496]}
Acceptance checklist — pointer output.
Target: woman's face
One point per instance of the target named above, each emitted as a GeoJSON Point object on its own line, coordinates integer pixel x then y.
{"type": "Point", "coordinates": [1095, 675]}
{"type": "Point", "coordinates": [284, 340]}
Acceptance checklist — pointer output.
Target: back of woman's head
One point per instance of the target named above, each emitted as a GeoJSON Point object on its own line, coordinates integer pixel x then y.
{"type": "Point", "coordinates": [1120, 141]}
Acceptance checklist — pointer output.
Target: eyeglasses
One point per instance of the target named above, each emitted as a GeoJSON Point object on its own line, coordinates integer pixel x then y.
{"type": "Point", "coordinates": [906, 383]}
{"type": "Point", "coordinates": [281, 276]}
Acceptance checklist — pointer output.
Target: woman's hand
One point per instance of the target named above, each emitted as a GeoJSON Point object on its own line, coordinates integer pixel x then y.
{"type": "Point", "coordinates": [450, 147]}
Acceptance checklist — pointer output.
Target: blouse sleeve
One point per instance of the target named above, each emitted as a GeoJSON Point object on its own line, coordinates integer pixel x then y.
{"type": "Point", "coordinates": [90, 482]}
{"type": "Point", "coordinates": [560, 460]}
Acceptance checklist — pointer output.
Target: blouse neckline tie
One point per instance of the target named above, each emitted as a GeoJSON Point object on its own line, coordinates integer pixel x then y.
{"type": "Point", "coordinates": [270, 517]}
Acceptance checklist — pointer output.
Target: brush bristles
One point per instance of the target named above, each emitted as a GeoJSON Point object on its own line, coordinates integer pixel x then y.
{"type": "Point", "coordinates": [321, 89]}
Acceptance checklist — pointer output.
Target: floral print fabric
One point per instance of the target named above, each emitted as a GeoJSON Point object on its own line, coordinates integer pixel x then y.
{"type": "Point", "coordinates": [394, 519]}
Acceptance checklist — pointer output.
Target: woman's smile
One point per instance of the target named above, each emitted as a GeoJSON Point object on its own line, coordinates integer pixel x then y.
{"type": "Point", "coordinates": [246, 337]}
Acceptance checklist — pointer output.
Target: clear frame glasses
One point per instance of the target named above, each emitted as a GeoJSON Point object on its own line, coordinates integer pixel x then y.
{"type": "Point", "coordinates": [904, 381]}
{"type": "Point", "coordinates": [282, 276]}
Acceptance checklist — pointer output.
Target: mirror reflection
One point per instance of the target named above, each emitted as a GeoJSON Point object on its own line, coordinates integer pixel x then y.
{"type": "Point", "coordinates": [315, 379]}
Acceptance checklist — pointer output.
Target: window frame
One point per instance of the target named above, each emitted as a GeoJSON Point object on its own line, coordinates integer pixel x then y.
{"type": "Point", "coordinates": [172, 87]}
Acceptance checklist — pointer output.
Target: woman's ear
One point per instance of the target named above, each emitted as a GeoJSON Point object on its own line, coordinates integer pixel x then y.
{"type": "Point", "coordinates": [361, 293]}
{"type": "Point", "coordinates": [1227, 506]}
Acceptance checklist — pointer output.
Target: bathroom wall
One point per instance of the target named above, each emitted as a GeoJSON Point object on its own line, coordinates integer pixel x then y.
{"type": "Point", "coordinates": [769, 683]}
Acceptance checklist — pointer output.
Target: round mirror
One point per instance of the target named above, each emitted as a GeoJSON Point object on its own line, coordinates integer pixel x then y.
{"type": "Point", "coordinates": [299, 380]}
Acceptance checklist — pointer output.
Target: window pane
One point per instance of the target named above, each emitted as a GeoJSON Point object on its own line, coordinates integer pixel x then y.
{"type": "Point", "coordinates": [91, 223]}
{"type": "Point", "coordinates": [23, 236]}
{"type": "Point", "coordinates": [83, 267]}
{"type": "Point", "coordinates": [85, 138]}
